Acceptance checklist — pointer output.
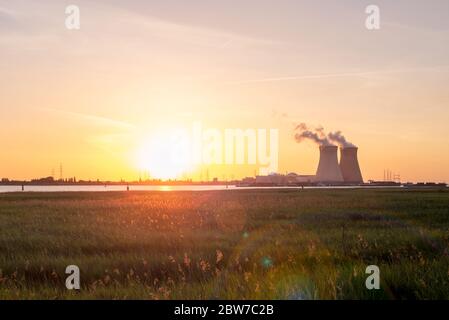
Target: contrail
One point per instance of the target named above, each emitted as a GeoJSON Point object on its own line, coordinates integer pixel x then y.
{"type": "Point", "coordinates": [337, 75]}
{"type": "Point", "coordinates": [93, 118]}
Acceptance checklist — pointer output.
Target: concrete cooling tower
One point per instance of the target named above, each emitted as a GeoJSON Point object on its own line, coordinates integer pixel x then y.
{"type": "Point", "coordinates": [328, 168]}
{"type": "Point", "coordinates": [349, 165]}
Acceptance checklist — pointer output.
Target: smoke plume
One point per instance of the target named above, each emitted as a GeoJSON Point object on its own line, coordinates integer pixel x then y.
{"type": "Point", "coordinates": [338, 138]}
{"type": "Point", "coordinates": [316, 135]}
{"type": "Point", "coordinates": [319, 136]}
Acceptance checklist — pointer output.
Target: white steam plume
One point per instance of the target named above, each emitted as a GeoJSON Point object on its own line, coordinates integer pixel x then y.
{"type": "Point", "coordinates": [338, 138]}
{"type": "Point", "coordinates": [317, 135]}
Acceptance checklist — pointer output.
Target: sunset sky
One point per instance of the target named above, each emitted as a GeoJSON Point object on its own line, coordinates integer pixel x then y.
{"type": "Point", "coordinates": [91, 98]}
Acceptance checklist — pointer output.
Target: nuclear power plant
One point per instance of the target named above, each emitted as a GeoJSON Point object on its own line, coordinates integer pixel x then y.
{"type": "Point", "coordinates": [330, 172]}
{"type": "Point", "coordinates": [349, 165]}
{"type": "Point", "coordinates": [328, 169]}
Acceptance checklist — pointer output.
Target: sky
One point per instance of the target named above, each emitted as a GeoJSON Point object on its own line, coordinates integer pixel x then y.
{"type": "Point", "coordinates": [91, 99]}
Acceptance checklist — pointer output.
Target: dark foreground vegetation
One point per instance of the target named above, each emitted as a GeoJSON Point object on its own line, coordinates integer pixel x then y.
{"type": "Point", "coordinates": [244, 244]}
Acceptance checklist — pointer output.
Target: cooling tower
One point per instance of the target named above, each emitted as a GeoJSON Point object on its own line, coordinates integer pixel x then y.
{"type": "Point", "coordinates": [349, 165]}
{"type": "Point", "coordinates": [328, 168]}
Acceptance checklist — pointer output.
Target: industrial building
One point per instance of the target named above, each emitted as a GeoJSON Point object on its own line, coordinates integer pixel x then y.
{"type": "Point", "coordinates": [329, 171]}
{"type": "Point", "coordinates": [349, 165]}
{"type": "Point", "coordinates": [328, 168]}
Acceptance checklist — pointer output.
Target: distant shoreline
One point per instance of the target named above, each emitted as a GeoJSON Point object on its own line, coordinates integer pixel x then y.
{"type": "Point", "coordinates": [111, 183]}
{"type": "Point", "coordinates": [233, 183]}
{"type": "Point", "coordinates": [217, 184]}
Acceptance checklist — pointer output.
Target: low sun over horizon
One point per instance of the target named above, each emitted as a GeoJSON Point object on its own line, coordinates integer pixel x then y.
{"type": "Point", "coordinates": [152, 89]}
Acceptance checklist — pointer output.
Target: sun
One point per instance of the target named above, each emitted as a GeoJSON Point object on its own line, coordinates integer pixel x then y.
{"type": "Point", "coordinates": [165, 155]}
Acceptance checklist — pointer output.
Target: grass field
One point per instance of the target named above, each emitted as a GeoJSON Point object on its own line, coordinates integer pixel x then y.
{"type": "Point", "coordinates": [245, 244]}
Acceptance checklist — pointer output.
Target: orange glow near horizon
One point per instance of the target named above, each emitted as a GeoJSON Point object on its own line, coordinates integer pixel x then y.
{"type": "Point", "coordinates": [104, 100]}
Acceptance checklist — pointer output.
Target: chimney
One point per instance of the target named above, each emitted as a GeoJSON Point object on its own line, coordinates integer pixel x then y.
{"type": "Point", "coordinates": [349, 165]}
{"type": "Point", "coordinates": [328, 168]}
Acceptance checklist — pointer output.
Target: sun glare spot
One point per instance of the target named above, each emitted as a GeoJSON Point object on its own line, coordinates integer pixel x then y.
{"type": "Point", "coordinates": [165, 156]}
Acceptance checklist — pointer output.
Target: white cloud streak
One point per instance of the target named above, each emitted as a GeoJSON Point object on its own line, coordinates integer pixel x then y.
{"type": "Point", "coordinates": [94, 119]}
{"type": "Point", "coordinates": [342, 75]}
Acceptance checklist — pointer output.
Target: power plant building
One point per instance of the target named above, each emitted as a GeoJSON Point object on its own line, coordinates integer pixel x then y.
{"type": "Point", "coordinates": [349, 165]}
{"type": "Point", "coordinates": [328, 169]}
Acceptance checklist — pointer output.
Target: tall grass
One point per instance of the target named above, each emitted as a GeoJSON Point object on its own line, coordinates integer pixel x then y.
{"type": "Point", "coordinates": [246, 244]}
